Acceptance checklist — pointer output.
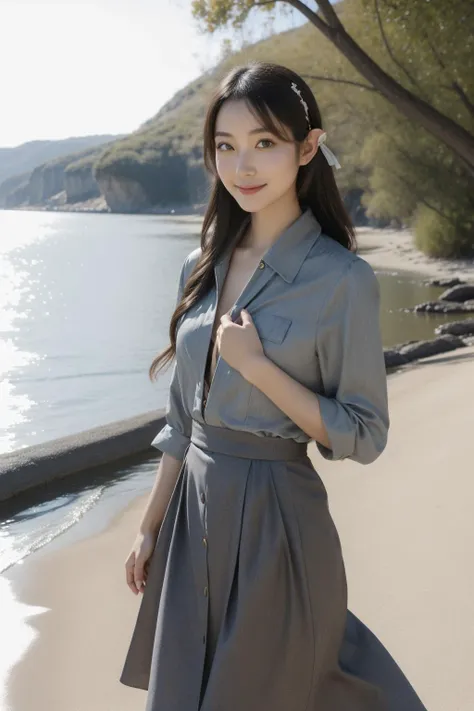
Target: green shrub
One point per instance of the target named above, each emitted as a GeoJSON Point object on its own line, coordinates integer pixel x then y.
{"type": "Point", "coordinates": [443, 236]}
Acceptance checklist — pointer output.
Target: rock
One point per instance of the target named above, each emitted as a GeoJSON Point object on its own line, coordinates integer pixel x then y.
{"type": "Point", "coordinates": [413, 350]}
{"type": "Point", "coordinates": [424, 349]}
{"type": "Point", "coordinates": [446, 282]}
{"type": "Point", "coordinates": [457, 328]}
{"type": "Point", "coordinates": [393, 358]}
{"type": "Point", "coordinates": [406, 343]}
{"type": "Point", "coordinates": [124, 195]}
{"type": "Point", "coordinates": [444, 307]}
{"type": "Point", "coordinates": [459, 294]}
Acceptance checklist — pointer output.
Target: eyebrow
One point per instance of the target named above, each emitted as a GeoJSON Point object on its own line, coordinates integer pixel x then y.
{"type": "Point", "coordinates": [254, 130]}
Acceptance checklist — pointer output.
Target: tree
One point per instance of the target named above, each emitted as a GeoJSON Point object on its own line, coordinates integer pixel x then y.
{"type": "Point", "coordinates": [219, 13]}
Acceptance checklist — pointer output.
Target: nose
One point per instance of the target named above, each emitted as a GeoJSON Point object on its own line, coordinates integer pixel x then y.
{"type": "Point", "coordinates": [244, 165]}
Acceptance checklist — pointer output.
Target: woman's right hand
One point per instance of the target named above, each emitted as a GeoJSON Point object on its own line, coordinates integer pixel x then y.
{"type": "Point", "coordinates": [136, 565]}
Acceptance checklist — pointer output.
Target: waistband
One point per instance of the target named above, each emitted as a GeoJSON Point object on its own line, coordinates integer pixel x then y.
{"type": "Point", "coordinates": [239, 443]}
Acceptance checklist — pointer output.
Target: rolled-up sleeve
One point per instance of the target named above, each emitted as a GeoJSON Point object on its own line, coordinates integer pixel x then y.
{"type": "Point", "coordinates": [354, 404]}
{"type": "Point", "coordinates": [174, 436]}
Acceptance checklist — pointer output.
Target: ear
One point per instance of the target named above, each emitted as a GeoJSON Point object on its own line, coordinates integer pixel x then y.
{"type": "Point", "coordinates": [310, 146]}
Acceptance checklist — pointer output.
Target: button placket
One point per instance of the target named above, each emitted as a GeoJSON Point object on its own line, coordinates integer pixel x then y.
{"type": "Point", "coordinates": [205, 589]}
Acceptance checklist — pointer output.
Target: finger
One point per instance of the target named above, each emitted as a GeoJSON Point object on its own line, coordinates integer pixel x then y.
{"type": "Point", "coordinates": [129, 567]}
{"type": "Point", "coordinates": [225, 318]}
{"type": "Point", "coordinates": [246, 317]}
{"type": "Point", "coordinates": [138, 573]}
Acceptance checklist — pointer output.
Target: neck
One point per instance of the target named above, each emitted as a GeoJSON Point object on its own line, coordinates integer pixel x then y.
{"type": "Point", "coordinates": [268, 224]}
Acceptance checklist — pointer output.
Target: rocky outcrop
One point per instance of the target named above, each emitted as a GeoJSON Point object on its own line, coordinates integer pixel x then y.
{"type": "Point", "coordinates": [414, 350]}
{"type": "Point", "coordinates": [71, 174]}
{"type": "Point", "coordinates": [123, 195]}
{"type": "Point", "coordinates": [459, 294]}
{"type": "Point", "coordinates": [457, 299]}
{"type": "Point", "coordinates": [45, 181]}
{"type": "Point", "coordinates": [457, 328]}
{"type": "Point", "coordinates": [80, 184]}
{"type": "Point", "coordinates": [172, 183]}
{"type": "Point", "coordinates": [446, 282]}
{"type": "Point", "coordinates": [445, 307]}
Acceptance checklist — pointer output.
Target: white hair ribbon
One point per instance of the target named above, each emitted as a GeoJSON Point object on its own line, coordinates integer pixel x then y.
{"type": "Point", "coordinates": [328, 154]}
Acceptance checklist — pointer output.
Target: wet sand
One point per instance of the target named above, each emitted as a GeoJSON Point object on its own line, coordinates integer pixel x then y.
{"type": "Point", "coordinates": [394, 250]}
{"type": "Point", "coordinates": [406, 528]}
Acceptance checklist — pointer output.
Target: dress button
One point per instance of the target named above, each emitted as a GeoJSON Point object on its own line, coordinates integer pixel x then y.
{"type": "Point", "coordinates": [261, 265]}
{"type": "Point", "coordinates": [204, 540]}
{"type": "Point", "coordinates": [203, 498]}
{"type": "Point", "coordinates": [206, 591]}
{"type": "Point", "coordinates": [204, 639]}
{"type": "Point", "coordinates": [204, 402]}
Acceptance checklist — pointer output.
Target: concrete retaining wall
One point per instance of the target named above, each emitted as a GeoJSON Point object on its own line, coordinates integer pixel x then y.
{"type": "Point", "coordinates": [40, 463]}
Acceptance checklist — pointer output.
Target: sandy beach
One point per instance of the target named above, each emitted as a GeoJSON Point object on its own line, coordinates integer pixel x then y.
{"type": "Point", "coordinates": [406, 528]}
{"type": "Point", "coordinates": [405, 524]}
{"type": "Point", "coordinates": [393, 250]}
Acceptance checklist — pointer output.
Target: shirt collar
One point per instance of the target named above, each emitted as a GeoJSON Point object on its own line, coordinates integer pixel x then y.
{"type": "Point", "coordinates": [287, 254]}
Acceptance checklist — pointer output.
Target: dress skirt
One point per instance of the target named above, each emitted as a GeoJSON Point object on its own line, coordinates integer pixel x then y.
{"type": "Point", "coordinates": [245, 606]}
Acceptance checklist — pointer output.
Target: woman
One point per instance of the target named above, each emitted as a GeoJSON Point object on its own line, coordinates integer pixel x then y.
{"type": "Point", "coordinates": [277, 342]}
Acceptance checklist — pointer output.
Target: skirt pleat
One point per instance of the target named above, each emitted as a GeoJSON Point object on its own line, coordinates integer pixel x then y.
{"type": "Point", "coordinates": [245, 606]}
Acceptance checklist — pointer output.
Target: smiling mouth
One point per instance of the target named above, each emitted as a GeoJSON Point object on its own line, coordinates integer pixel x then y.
{"type": "Point", "coordinates": [253, 189]}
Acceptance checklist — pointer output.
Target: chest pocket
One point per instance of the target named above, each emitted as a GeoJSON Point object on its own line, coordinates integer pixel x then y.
{"type": "Point", "coordinates": [272, 327]}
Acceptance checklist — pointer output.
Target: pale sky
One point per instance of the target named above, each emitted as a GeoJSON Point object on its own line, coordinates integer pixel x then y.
{"type": "Point", "coordinates": [71, 68]}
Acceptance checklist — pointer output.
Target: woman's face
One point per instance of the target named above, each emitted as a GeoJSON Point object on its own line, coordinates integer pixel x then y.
{"type": "Point", "coordinates": [248, 155]}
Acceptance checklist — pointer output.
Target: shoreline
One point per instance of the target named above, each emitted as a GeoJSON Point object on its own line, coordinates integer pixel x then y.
{"type": "Point", "coordinates": [394, 250]}
{"type": "Point", "coordinates": [385, 248]}
{"type": "Point", "coordinates": [416, 496]}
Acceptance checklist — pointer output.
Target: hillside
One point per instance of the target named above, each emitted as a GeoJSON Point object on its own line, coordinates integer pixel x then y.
{"type": "Point", "coordinates": [159, 166]}
{"type": "Point", "coordinates": [392, 168]}
{"type": "Point", "coordinates": [38, 170]}
{"type": "Point", "coordinates": [23, 158]}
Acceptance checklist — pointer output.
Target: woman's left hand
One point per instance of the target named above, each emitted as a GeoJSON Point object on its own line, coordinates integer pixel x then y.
{"type": "Point", "coordinates": [239, 344]}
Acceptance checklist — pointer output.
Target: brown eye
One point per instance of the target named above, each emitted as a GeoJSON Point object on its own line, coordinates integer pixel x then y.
{"type": "Point", "coordinates": [267, 140]}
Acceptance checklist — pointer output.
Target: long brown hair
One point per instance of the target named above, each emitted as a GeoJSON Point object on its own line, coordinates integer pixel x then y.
{"type": "Point", "coordinates": [266, 87]}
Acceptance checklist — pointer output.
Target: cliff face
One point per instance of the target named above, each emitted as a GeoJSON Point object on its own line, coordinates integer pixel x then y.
{"type": "Point", "coordinates": [123, 195]}
{"type": "Point", "coordinates": [80, 185]}
{"type": "Point", "coordinates": [67, 179]}
{"type": "Point", "coordinates": [159, 166]}
{"type": "Point", "coordinates": [170, 181]}
{"type": "Point", "coordinates": [45, 181]}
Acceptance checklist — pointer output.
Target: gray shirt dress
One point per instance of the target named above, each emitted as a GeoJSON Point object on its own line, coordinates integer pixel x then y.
{"type": "Point", "coordinates": [245, 606]}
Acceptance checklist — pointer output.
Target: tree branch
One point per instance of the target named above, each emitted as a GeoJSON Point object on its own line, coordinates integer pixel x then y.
{"type": "Point", "coordinates": [431, 169]}
{"type": "Point", "coordinates": [311, 16]}
{"type": "Point", "coordinates": [412, 106]}
{"type": "Point", "coordinates": [414, 188]}
{"type": "Point", "coordinates": [390, 52]}
{"type": "Point", "coordinates": [463, 96]}
{"type": "Point", "coordinates": [454, 86]}
{"type": "Point", "coordinates": [408, 103]}
{"type": "Point", "coordinates": [265, 2]}
{"type": "Point", "coordinates": [340, 81]}
{"type": "Point", "coordinates": [329, 13]}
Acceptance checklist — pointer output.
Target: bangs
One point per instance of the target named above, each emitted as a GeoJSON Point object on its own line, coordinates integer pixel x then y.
{"type": "Point", "coordinates": [263, 113]}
